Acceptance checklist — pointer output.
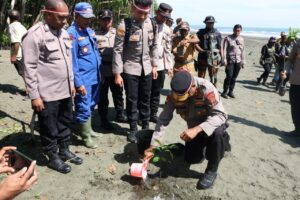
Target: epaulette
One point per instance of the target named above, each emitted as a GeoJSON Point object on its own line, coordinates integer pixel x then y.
{"type": "Point", "coordinates": [33, 29]}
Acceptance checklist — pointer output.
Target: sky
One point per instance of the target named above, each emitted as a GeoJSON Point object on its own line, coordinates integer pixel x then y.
{"type": "Point", "coordinates": [249, 13]}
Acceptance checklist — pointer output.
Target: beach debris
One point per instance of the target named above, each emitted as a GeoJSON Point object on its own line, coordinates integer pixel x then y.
{"type": "Point", "coordinates": [112, 169]}
{"type": "Point", "coordinates": [250, 53]}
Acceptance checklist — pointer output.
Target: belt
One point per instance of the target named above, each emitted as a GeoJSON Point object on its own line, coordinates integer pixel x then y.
{"type": "Point", "coordinates": [185, 61]}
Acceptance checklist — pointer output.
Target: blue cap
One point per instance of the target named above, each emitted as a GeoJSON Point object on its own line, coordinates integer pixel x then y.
{"type": "Point", "coordinates": [84, 9]}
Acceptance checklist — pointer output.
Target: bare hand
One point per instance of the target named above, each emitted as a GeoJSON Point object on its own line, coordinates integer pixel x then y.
{"type": "Point", "coordinates": [183, 43]}
{"type": "Point", "coordinates": [37, 105]}
{"type": "Point", "coordinates": [148, 153]}
{"type": "Point", "coordinates": [13, 59]}
{"type": "Point", "coordinates": [4, 157]}
{"type": "Point", "coordinates": [154, 73]}
{"type": "Point", "coordinates": [170, 73]}
{"type": "Point", "coordinates": [190, 134]}
{"type": "Point", "coordinates": [119, 80]}
{"type": "Point", "coordinates": [73, 91]}
{"type": "Point", "coordinates": [19, 182]}
{"type": "Point", "coordinates": [81, 90]}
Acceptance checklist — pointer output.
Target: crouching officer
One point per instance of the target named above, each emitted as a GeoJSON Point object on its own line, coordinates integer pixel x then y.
{"type": "Point", "coordinates": [198, 102]}
{"type": "Point", "coordinates": [86, 64]}
{"type": "Point", "coordinates": [105, 41]}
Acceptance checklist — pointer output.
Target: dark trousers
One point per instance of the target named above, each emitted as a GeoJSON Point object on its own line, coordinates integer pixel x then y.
{"type": "Point", "coordinates": [232, 71]}
{"type": "Point", "coordinates": [295, 105]}
{"type": "Point", "coordinates": [215, 147]}
{"type": "Point", "coordinates": [117, 94]}
{"type": "Point", "coordinates": [54, 123]}
{"type": "Point", "coordinates": [138, 92]}
{"type": "Point", "coordinates": [157, 85]}
{"type": "Point", "coordinates": [265, 74]}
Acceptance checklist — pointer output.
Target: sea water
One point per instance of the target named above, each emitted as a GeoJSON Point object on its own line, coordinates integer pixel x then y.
{"type": "Point", "coordinates": [250, 31]}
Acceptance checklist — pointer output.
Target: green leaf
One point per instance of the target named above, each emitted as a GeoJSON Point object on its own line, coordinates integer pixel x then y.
{"type": "Point", "coordinates": [156, 159]}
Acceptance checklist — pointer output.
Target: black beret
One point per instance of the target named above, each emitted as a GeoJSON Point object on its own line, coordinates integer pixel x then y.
{"type": "Point", "coordinates": [106, 14]}
{"type": "Point", "coordinates": [181, 82]}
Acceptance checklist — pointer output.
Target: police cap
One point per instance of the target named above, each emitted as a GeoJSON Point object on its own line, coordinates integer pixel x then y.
{"type": "Point", "coordinates": [181, 84]}
{"type": "Point", "coordinates": [272, 39]}
{"type": "Point", "coordinates": [165, 10]}
{"type": "Point", "coordinates": [105, 14]}
{"type": "Point", "coordinates": [209, 19]}
{"type": "Point", "coordinates": [185, 25]}
{"type": "Point", "coordinates": [84, 9]}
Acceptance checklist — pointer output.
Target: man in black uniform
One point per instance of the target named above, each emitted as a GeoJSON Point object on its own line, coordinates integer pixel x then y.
{"type": "Point", "coordinates": [267, 59]}
{"type": "Point", "coordinates": [210, 51]}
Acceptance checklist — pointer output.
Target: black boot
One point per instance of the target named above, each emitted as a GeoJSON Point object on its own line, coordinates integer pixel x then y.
{"type": "Point", "coordinates": [258, 80]}
{"type": "Point", "coordinates": [207, 180]}
{"type": "Point", "coordinates": [153, 117]}
{"type": "Point", "coordinates": [56, 163]}
{"type": "Point", "coordinates": [224, 95]}
{"type": "Point", "coordinates": [121, 117]}
{"type": "Point", "coordinates": [66, 155]}
{"type": "Point", "coordinates": [132, 133]}
{"type": "Point", "coordinates": [209, 176]}
{"type": "Point", "coordinates": [145, 125]}
{"type": "Point", "coordinates": [230, 94]}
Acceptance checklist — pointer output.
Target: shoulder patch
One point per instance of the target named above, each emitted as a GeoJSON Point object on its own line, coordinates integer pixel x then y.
{"type": "Point", "coordinates": [211, 98]}
{"type": "Point", "coordinates": [121, 32]}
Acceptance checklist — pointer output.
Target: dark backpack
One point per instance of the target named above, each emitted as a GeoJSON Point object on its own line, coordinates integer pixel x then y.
{"type": "Point", "coordinates": [128, 25]}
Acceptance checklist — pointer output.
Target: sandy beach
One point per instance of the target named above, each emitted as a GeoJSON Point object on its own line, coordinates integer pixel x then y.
{"type": "Point", "coordinates": [263, 164]}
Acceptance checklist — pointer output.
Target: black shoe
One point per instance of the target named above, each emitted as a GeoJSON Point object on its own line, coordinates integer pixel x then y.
{"type": "Point", "coordinates": [224, 95]}
{"type": "Point", "coordinates": [145, 125]}
{"type": "Point", "coordinates": [230, 94]}
{"type": "Point", "coordinates": [57, 164]}
{"type": "Point", "coordinates": [264, 83]}
{"type": "Point", "coordinates": [66, 155]}
{"type": "Point", "coordinates": [207, 180]}
{"type": "Point", "coordinates": [121, 118]}
{"type": "Point", "coordinates": [131, 137]}
{"type": "Point", "coordinates": [106, 125]}
{"type": "Point", "coordinates": [153, 118]}
{"type": "Point", "coordinates": [258, 80]}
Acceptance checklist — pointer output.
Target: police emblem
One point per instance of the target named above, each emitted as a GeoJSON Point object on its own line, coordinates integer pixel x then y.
{"type": "Point", "coordinates": [85, 50]}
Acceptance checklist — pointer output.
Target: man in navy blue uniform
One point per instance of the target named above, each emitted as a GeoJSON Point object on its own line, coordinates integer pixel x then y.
{"type": "Point", "coordinates": [86, 67]}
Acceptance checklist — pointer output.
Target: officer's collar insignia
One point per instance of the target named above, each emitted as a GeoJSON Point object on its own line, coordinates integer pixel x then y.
{"type": "Point", "coordinates": [81, 38]}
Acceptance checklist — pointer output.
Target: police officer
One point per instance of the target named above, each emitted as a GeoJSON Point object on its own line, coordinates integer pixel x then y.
{"type": "Point", "coordinates": [135, 55]}
{"type": "Point", "coordinates": [184, 49]}
{"type": "Point", "coordinates": [105, 42]}
{"type": "Point", "coordinates": [210, 51]}
{"type": "Point", "coordinates": [294, 62]}
{"type": "Point", "coordinates": [49, 79]}
{"type": "Point", "coordinates": [86, 64]}
{"type": "Point", "coordinates": [164, 46]}
{"type": "Point", "coordinates": [198, 102]}
{"type": "Point", "coordinates": [234, 59]}
{"type": "Point", "coordinates": [267, 59]}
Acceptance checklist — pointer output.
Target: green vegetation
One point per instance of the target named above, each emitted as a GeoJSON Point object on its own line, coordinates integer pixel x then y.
{"type": "Point", "coordinates": [294, 34]}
